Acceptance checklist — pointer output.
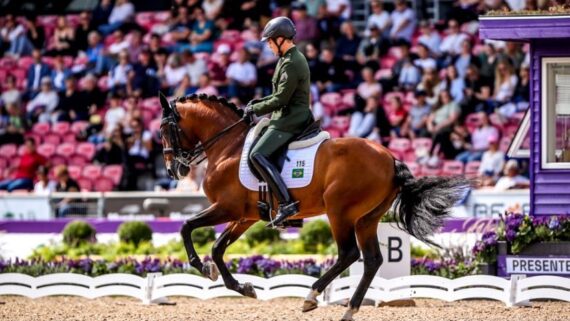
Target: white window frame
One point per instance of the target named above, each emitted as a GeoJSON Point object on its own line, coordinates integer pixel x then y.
{"type": "Point", "coordinates": [515, 148]}
{"type": "Point", "coordinates": [544, 113]}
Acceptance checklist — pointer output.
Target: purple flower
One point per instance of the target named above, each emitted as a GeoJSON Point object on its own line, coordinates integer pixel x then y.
{"type": "Point", "coordinates": [554, 223]}
{"type": "Point", "coordinates": [510, 236]}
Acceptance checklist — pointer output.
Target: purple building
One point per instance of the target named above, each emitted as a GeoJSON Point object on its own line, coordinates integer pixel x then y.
{"type": "Point", "coordinates": [548, 118]}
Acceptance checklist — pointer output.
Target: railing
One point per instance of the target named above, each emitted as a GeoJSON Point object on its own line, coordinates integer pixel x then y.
{"type": "Point", "coordinates": [156, 287]}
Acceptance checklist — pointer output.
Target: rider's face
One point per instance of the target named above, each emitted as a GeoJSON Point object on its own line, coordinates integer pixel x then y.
{"type": "Point", "coordinates": [271, 43]}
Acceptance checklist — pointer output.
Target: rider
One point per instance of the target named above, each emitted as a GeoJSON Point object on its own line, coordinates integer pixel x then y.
{"type": "Point", "coordinates": [289, 104]}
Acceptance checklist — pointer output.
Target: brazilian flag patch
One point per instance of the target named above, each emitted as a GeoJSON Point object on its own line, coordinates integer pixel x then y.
{"type": "Point", "coordinates": [298, 173]}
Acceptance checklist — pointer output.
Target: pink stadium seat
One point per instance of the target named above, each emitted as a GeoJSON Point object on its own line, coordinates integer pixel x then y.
{"type": "Point", "coordinates": [92, 171]}
{"type": "Point", "coordinates": [451, 168]}
{"type": "Point", "coordinates": [56, 160]}
{"type": "Point", "coordinates": [77, 160]}
{"type": "Point", "coordinates": [20, 74]}
{"type": "Point", "coordinates": [383, 74]}
{"type": "Point", "coordinates": [399, 146]}
{"type": "Point", "coordinates": [8, 150]}
{"type": "Point", "coordinates": [25, 62]}
{"type": "Point", "coordinates": [387, 62]}
{"type": "Point", "coordinates": [65, 150]}
{"type": "Point", "coordinates": [331, 101]}
{"type": "Point", "coordinates": [421, 143]}
{"type": "Point", "coordinates": [429, 171]}
{"type": "Point", "coordinates": [3, 164]}
{"type": "Point", "coordinates": [414, 168]}
{"type": "Point", "coordinates": [471, 169]}
{"type": "Point", "coordinates": [114, 173]}
{"type": "Point", "coordinates": [41, 128]}
{"type": "Point", "coordinates": [53, 139]}
{"type": "Point", "coordinates": [61, 128]}
{"type": "Point", "coordinates": [348, 99]}
{"type": "Point", "coordinates": [22, 150]}
{"type": "Point", "coordinates": [74, 172]}
{"type": "Point", "coordinates": [87, 150]}
{"type": "Point", "coordinates": [47, 150]}
{"type": "Point", "coordinates": [85, 184]}
{"type": "Point", "coordinates": [505, 143]}
{"type": "Point", "coordinates": [79, 126]}
{"type": "Point", "coordinates": [154, 125]}
{"type": "Point", "coordinates": [37, 138]}
{"type": "Point", "coordinates": [69, 138]}
{"type": "Point", "coordinates": [341, 123]}
{"type": "Point", "coordinates": [335, 133]}
{"type": "Point", "coordinates": [103, 184]}
{"type": "Point", "coordinates": [472, 121]}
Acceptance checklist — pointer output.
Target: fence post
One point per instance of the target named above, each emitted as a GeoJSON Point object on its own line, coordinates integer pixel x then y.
{"type": "Point", "coordinates": [513, 287]}
{"type": "Point", "coordinates": [149, 287]}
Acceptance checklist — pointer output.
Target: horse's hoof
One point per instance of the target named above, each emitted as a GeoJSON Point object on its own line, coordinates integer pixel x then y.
{"type": "Point", "coordinates": [310, 305]}
{"type": "Point", "coordinates": [210, 270]}
{"type": "Point", "coordinates": [348, 315]}
{"type": "Point", "coordinates": [248, 290]}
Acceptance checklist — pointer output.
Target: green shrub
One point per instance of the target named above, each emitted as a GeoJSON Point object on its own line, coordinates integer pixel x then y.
{"type": "Point", "coordinates": [78, 232]}
{"type": "Point", "coordinates": [258, 233]}
{"type": "Point", "coordinates": [316, 234]}
{"type": "Point", "coordinates": [201, 236]}
{"type": "Point", "coordinates": [135, 232]}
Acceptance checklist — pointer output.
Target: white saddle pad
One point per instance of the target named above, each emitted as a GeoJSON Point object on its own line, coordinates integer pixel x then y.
{"type": "Point", "coordinates": [297, 169]}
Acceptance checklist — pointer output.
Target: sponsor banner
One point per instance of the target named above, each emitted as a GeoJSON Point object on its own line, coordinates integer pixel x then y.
{"type": "Point", "coordinates": [529, 265]}
{"type": "Point", "coordinates": [489, 203]}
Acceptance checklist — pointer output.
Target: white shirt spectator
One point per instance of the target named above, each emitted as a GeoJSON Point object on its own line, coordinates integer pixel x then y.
{"type": "Point", "coordinates": [12, 34]}
{"type": "Point", "coordinates": [208, 90]}
{"type": "Point", "coordinates": [44, 189]}
{"type": "Point", "coordinates": [492, 162]}
{"type": "Point", "coordinates": [398, 18]}
{"type": "Point", "coordinates": [117, 47]}
{"type": "Point", "coordinates": [242, 72]}
{"type": "Point", "coordinates": [381, 20]}
{"type": "Point", "coordinates": [48, 99]}
{"type": "Point", "coordinates": [175, 75]}
{"type": "Point", "coordinates": [119, 75]}
{"type": "Point", "coordinates": [122, 12]}
{"type": "Point", "coordinates": [504, 183]}
{"type": "Point", "coordinates": [506, 89]}
{"type": "Point", "coordinates": [138, 148]}
{"type": "Point", "coordinates": [410, 75]}
{"type": "Point", "coordinates": [195, 70]}
{"type": "Point", "coordinates": [334, 6]}
{"type": "Point", "coordinates": [480, 137]}
{"type": "Point", "coordinates": [433, 42]}
{"type": "Point", "coordinates": [11, 97]}
{"type": "Point", "coordinates": [452, 43]}
{"type": "Point", "coordinates": [366, 90]}
{"type": "Point", "coordinates": [113, 117]}
{"type": "Point", "coordinates": [427, 63]}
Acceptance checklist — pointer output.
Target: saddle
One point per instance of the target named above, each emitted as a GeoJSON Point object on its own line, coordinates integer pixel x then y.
{"type": "Point", "coordinates": [313, 134]}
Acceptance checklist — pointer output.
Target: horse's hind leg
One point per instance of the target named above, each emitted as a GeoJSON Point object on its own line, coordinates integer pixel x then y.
{"type": "Point", "coordinates": [232, 232]}
{"type": "Point", "coordinates": [348, 253]}
{"type": "Point", "coordinates": [366, 234]}
{"type": "Point", "coordinates": [209, 217]}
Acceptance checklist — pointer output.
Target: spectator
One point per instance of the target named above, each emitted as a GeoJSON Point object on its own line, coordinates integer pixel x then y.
{"type": "Point", "coordinates": [488, 61]}
{"type": "Point", "coordinates": [476, 92]}
{"type": "Point", "coordinates": [44, 185]}
{"type": "Point", "coordinates": [314, 6]}
{"type": "Point", "coordinates": [379, 18]}
{"type": "Point", "coordinates": [59, 74]}
{"type": "Point", "coordinates": [480, 139]}
{"type": "Point", "coordinates": [183, 88]}
{"type": "Point", "coordinates": [522, 89]}
{"type": "Point", "coordinates": [515, 54]}
{"type": "Point", "coordinates": [430, 38]}
{"type": "Point", "coordinates": [307, 30]}
{"type": "Point", "coordinates": [347, 46]}
{"type": "Point", "coordinates": [444, 114]}
{"type": "Point", "coordinates": [409, 76]}
{"type": "Point", "coordinates": [451, 44]}
{"type": "Point", "coordinates": [119, 44]}
{"type": "Point", "coordinates": [212, 8]}
{"type": "Point", "coordinates": [112, 152]}
{"type": "Point", "coordinates": [511, 178]}
{"type": "Point", "coordinates": [36, 72]}
{"type": "Point", "coordinates": [453, 83]}
{"type": "Point", "coordinates": [11, 95]}
{"type": "Point", "coordinates": [424, 61]}
{"type": "Point", "coordinates": [338, 10]}
{"type": "Point", "coordinates": [12, 126]}
{"type": "Point", "coordinates": [139, 146]}
{"type": "Point", "coordinates": [464, 59]}
{"type": "Point", "coordinates": [405, 59]}
{"type": "Point", "coordinates": [403, 22]}
{"type": "Point", "coordinates": [397, 116]}
{"type": "Point", "coordinates": [174, 71]}
{"type": "Point", "coordinates": [66, 184]}
{"type": "Point", "coordinates": [123, 12]}
{"type": "Point", "coordinates": [201, 37]}
{"type": "Point", "coordinates": [492, 163]}
{"type": "Point", "coordinates": [362, 123]}
{"type": "Point", "coordinates": [82, 32]}
{"type": "Point", "coordinates": [34, 34]}
{"type": "Point", "coordinates": [13, 38]}
{"type": "Point", "coordinates": [312, 54]}
{"type": "Point", "coordinates": [220, 66]}
{"type": "Point", "coordinates": [505, 83]}
{"type": "Point", "coordinates": [242, 78]}
{"type": "Point", "coordinates": [118, 80]}
{"type": "Point", "coordinates": [206, 87]}
{"type": "Point", "coordinates": [63, 39]}
{"type": "Point", "coordinates": [330, 77]}
{"type": "Point", "coordinates": [114, 115]}
{"type": "Point", "coordinates": [101, 13]}
{"type": "Point", "coordinates": [181, 29]}
{"type": "Point", "coordinates": [42, 108]}
{"type": "Point", "coordinates": [196, 67]}
{"type": "Point", "coordinates": [368, 88]}
{"type": "Point", "coordinates": [72, 105]}
{"type": "Point", "coordinates": [431, 84]}
{"type": "Point", "coordinates": [25, 172]}
{"type": "Point", "coordinates": [415, 124]}
{"type": "Point", "coordinates": [97, 60]}
{"type": "Point", "coordinates": [94, 99]}
{"type": "Point", "coordinates": [143, 76]}
{"type": "Point", "coordinates": [155, 45]}
{"type": "Point", "coordinates": [371, 48]}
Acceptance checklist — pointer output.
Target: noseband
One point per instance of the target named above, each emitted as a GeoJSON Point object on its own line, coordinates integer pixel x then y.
{"type": "Point", "coordinates": [181, 155]}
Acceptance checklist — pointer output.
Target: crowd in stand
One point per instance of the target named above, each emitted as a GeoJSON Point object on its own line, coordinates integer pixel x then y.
{"type": "Point", "coordinates": [432, 92]}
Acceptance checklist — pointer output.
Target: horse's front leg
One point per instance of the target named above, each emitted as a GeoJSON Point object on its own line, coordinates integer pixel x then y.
{"type": "Point", "coordinates": [232, 232]}
{"type": "Point", "coordinates": [213, 215]}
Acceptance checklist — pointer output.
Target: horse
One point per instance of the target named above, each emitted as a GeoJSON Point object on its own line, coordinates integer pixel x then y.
{"type": "Point", "coordinates": [356, 181]}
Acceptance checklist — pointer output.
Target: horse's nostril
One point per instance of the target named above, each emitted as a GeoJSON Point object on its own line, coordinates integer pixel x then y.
{"type": "Point", "coordinates": [170, 173]}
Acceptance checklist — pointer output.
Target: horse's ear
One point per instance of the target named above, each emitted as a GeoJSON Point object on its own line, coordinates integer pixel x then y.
{"type": "Point", "coordinates": [163, 102]}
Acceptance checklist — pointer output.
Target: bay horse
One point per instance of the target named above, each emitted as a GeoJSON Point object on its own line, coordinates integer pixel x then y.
{"type": "Point", "coordinates": [355, 183]}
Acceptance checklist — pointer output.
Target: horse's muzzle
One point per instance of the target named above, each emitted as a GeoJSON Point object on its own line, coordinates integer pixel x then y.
{"type": "Point", "coordinates": [177, 170]}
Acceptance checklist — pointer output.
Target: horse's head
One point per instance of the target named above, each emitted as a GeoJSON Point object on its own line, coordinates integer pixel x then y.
{"type": "Point", "coordinates": [175, 142]}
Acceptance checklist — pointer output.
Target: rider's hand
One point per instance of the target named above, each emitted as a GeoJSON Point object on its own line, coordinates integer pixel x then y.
{"type": "Point", "coordinates": [248, 113]}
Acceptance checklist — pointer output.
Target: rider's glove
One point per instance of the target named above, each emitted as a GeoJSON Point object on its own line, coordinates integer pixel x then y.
{"type": "Point", "coordinates": [248, 113]}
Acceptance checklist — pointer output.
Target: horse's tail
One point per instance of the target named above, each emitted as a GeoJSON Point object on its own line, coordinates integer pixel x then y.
{"type": "Point", "coordinates": [424, 203]}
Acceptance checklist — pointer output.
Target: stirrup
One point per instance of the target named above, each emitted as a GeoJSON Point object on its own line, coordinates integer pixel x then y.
{"type": "Point", "coordinates": [283, 212]}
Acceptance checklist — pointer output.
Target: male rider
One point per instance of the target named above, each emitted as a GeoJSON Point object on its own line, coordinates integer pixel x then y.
{"type": "Point", "coordinates": [289, 105]}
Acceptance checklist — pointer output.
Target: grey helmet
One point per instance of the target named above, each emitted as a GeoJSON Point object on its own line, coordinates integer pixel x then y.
{"type": "Point", "coordinates": [279, 27]}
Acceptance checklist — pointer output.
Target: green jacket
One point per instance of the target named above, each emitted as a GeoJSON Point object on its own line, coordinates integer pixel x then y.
{"type": "Point", "coordinates": [289, 101]}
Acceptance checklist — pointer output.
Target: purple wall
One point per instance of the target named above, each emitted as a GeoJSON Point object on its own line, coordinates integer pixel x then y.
{"type": "Point", "coordinates": [549, 37]}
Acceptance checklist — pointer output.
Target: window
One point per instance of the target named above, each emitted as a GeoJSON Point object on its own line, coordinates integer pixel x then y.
{"type": "Point", "coordinates": [555, 113]}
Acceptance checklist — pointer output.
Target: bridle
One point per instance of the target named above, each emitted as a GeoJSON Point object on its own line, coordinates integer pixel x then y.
{"type": "Point", "coordinates": [184, 156]}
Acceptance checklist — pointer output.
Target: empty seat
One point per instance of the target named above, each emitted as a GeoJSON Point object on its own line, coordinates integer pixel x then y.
{"type": "Point", "coordinates": [61, 128]}
{"type": "Point", "coordinates": [103, 184]}
{"type": "Point", "coordinates": [22, 150]}
{"type": "Point", "coordinates": [65, 150]}
{"type": "Point", "coordinates": [74, 172]}
{"type": "Point", "coordinates": [399, 146]}
{"type": "Point", "coordinates": [41, 128]}
{"type": "Point", "coordinates": [451, 168]}
{"type": "Point", "coordinates": [3, 164]}
{"type": "Point", "coordinates": [472, 169]}
{"type": "Point", "coordinates": [114, 173]}
{"type": "Point", "coordinates": [85, 184]}
{"type": "Point", "coordinates": [8, 150]}
{"type": "Point", "coordinates": [56, 160]}
{"type": "Point", "coordinates": [414, 168]}
{"type": "Point", "coordinates": [86, 150]}
{"type": "Point", "coordinates": [79, 126]}
{"type": "Point", "coordinates": [92, 171]}
{"type": "Point", "coordinates": [77, 160]}
{"type": "Point", "coordinates": [47, 150]}
{"type": "Point", "coordinates": [69, 138]}
{"type": "Point", "coordinates": [53, 139]}
{"type": "Point", "coordinates": [430, 171]}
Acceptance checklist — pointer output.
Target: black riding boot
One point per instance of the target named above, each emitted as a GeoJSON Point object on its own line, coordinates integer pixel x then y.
{"type": "Point", "coordinates": [287, 207]}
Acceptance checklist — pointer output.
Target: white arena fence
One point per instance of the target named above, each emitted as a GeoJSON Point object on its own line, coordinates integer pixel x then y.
{"type": "Point", "coordinates": [156, 287]}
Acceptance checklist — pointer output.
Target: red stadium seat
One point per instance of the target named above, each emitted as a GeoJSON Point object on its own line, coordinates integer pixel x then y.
{"type": "Point", "coordinates": [92, 171]}
{"type": "Point", "coordinates": [399, 146]}
{"type": "Point", "coordinates": [8, 150]}
{"type": "Point", "coordinates": [61, 128]}
{"type": "Point", "coordinates": [74, 172]}
{"type": "Point", "coordinates": [331, 101]}
{"type": "Point", "coordinates": [65, 150]}
{"type": "Point", "coordinates": [86, 150]}
{"type": "Point", "coordinates": [103, 184]}
{"type": "Point", "coordinates": [22, 150]}
{"type": "Point", "coordinates": [3, 164]}
{"type": "Point", "coordinates": [47, 150]}
{"type": "Point", "coordinates": [472, 169]}
{"type": "Point", "coordinates": [85, 184]}
{"type": "Point", "coordinates": [472, 121]}
{"type": "Point", "coordinates": [77, 160]}
{"type": "Point", "coordinates": [56, 160]}
{"type": "Point", "coordinates": [113, 172]}
{"type": "Point", "coordinates": [53, 139]}
{"type": "Point", "coordinates": [41, 128]}
{"type": "Point", "coordinates": [348, 99]}
{"type": "Point", "coordinates": [429, 171]}
{"type": "Point", "coordinates": [414, 168]}
{"type": "Point", "coordinates": [79, 126]}
{"type": "Point", "coordinates": [69, 138]}
{"type": "Point", "coordinates": [451, 168]}
{"type": "Point", "coordinates": [422, 143]}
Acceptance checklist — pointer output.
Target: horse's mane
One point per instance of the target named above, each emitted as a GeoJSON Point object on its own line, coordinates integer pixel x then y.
{"type": "Point", "coordinates": [212, 99]}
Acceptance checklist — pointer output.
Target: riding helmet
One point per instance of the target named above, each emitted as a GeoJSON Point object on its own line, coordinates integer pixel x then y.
{"type": "Point", "coordinates": [279, 27]}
